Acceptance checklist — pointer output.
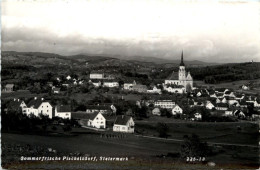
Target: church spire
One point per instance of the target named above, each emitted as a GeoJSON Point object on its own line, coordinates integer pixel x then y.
{"type": "Point", "coordinates": [182, 63]}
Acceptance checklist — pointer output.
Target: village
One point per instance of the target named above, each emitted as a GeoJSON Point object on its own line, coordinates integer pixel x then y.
{"type": "Point", "coordinates": [175, 98]}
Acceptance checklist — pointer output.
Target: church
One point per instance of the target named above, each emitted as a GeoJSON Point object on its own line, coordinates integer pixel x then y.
{"type": "Point", "coordinates": [181, 79]}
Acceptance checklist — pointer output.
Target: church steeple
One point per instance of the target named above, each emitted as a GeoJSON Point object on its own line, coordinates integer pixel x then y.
{"type": "Point", "coordinates": [182, 63]}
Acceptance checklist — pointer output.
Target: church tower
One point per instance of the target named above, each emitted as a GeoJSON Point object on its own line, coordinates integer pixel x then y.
{"type": "Point", "coordinates": [182, 72]}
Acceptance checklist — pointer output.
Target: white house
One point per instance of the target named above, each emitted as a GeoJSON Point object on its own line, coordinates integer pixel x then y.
{"type": "Point", "coordinates": [96, 76]}
{"type": "Point", "coordinates": [124, 124]}
{"type": "Point", "coordinates": [97, 120]}
{"type": "Point", "coordinates": [154, 90]}
{"type": "Point", "coordinates": [244, 87]}
{"type": "Point", "coordinates": [111, 84]}
{"type": "Point", "coordinates": [129, 85]}
{"type": "Point", "coordinates": [171, 89]}
{"type": "Point", "coordinates": [209, 105]}
{"type": "Point", "coordinates": [198, 116]}
{"type": "Point", "coordinates": [68, 77]}
{"type": "Point", "coordinates": [95, 83]}
{"type": "Point", "coordinates": [39, 106]}
{"type": "Point", "coordinates": [177, 110]}
{"type": "Point", "coordinates": [156, 111]}
{"type": "Point", "coordinates": [168, 104]}
{"type": "Point", "coordinates": [63, 111]}
{"type": "Point", "coordinates": [228, 112]}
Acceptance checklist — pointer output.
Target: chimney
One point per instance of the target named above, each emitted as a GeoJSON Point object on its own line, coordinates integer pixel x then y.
{"type": "Point", "coordinates": [35, 98]}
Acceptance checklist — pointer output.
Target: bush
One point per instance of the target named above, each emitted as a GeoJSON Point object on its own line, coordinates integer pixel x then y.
{"type": "Point", "coordinates": [163, 130]}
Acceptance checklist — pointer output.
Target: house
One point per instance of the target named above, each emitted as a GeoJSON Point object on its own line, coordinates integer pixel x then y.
{"type": "Point", "coordinates": [16, 105]}
{"type": "Point", "coordinates": [63, 111]}
{"type": "Point", "coordinates": [110, 84]}
{"type": "Point", "coordinates": [96, 75]}
{"type": "Point", "coordinates": [156, 111]}
{"type": "Point", "coordinates": [96, 83]}
{"type": "Point", "coordinates": [177, 110]}
{"type": "Point", "coordinates": [168, 104]}
{"type": "Point", "coordinates": [9, 88]}
{"type": "Point", "coordinates": [97, 120]}
{"type": "Point", "coordinates": [102, 108]}
{"type": "Point", "coordinates": [129, 85]}
{"type": "Point", "coordinates": [173, 88]}
{"type": "Point", "coordinates": [68, 77]}
{"type": "Point", "coordinates": [221, 90]}
{"type": "Point", "coordinates": [221, 106]}
{"type": "Point", "coordinates": [245, 87]}
{"type": "Point", "coordinates": [155, 89]}
{"type": "Point", "coordinates": [229, 94]}
{"type": "Point", "coordinates": [209, 105]}
{"type": "Point", "coordinates": [228, 112]}
{"type": "Point", "coordinates": [140, 88]}
{"type": "Point", "coordinates": [124, 124]}
{"type": "Point", "coordinates": [56, 90]}
{"type": "Point", "coordinates": [198, 116]}
{"type": "Point", "coordinates": [239, 113]}
{"type": "Point", "coordinates": [39, 106]}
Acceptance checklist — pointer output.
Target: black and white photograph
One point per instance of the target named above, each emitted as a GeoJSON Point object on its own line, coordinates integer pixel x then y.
{"type": "Point", "coordinates": [130, 84]}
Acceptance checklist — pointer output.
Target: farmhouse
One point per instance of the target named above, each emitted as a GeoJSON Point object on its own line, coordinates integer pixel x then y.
{"type": "Point", "coordinates": [182, 78]}
{"type": "Point", "coordinates": [97, 120]}
{"type": "Point", "coordinates": [209, 105]}
{"type": "Point", "coordinates": [39, 106]}
{"type": "Point", "coordinates": [176, 110]}
{"type": "Point", "coordinates": [9, 88]}
{"type": "Point", "coordinates": [129, 85]}
{"type": "Point", "coordinates": [155, 89]}
{"type": "Point", "coordinates": [63, 111]}
{"type": "Point", "coordinates": [156, 111]}
{"type": "Point", "coordinates": [124, 124]}
{"type": "Point", "coordinates": [108, 83]}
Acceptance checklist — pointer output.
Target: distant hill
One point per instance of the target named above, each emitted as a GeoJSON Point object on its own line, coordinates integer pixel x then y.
{"type": "Point", "coordinates": [52, 59]}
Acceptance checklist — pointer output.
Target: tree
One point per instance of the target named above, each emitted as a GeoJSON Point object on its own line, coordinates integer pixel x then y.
{"type": "Point", "coordinates": [162, 129]}
{"type": "Point", "coordinates": [193, 147]}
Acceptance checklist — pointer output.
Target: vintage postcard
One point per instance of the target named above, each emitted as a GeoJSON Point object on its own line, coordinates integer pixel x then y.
{"type": "Point", "coordinates": [132, 84]}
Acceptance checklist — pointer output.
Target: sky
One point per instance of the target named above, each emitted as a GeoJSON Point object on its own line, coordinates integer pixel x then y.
{"type": "Point", "coordinates": [206, 30]}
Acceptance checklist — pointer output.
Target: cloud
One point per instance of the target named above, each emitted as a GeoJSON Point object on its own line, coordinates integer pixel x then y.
{"type": "Point", "coordinates": [213, 32]}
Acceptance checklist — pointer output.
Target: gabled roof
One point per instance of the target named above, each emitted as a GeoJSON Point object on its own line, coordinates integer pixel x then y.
{"type": "Point", "coordinates": [221, 90]}
{"type": "Point", "coordinates": [35, 103]}
{"type": "Point", "coordinates": [15, 104]}
{"type": "Point", "coordinates": [63, 108]}
{"type": "Point", "coordinates": [93, 116]}
{"type": "Point", "coordinates": [175, 106]}
{"type": "Point", "coordinates": [122, 120]}
{"type": "Point", "coordinates": [9, 85]}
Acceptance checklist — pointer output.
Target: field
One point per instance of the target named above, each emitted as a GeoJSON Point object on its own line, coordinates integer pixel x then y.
{"type": "Point", "coordinates": [134, 146]}
{"type": "Point", "coordinates": [232, 85]}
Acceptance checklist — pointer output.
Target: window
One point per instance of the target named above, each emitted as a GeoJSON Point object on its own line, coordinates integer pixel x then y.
{"type": "Point", "coordinates": [47, 110]}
